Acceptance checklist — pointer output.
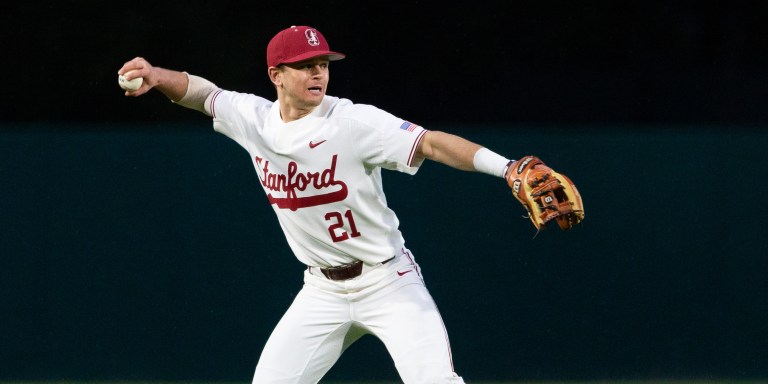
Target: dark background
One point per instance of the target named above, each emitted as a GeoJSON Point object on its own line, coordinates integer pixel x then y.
{"type": "Point", "coordinates": [686, 61]}
{"type": "Point", "coordinates": [135, 243]}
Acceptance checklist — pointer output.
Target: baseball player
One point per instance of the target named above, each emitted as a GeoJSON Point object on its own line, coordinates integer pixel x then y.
{"type": "Point", "coordinates": [319, 159]}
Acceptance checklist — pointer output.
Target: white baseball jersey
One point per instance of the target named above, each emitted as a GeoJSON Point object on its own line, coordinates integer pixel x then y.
{"type": "Point", "coordinates": [322, 173]}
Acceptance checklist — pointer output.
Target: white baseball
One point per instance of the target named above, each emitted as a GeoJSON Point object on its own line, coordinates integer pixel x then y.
{"type": "Point", "coordinates": [131, 85]}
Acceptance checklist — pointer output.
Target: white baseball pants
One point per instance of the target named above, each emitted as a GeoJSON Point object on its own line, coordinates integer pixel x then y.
{"type": "Point", "coordinates": [389, 301]}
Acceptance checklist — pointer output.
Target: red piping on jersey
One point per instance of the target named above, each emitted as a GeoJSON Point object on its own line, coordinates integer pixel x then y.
{"type": "Point", "coordinates": [416, 146]}
{"type": "Point", "coordinates": [445, 331]}
{"type": "Point", "coordinates": [213, 101]}
{"type": "Point", "coordinates": [407, 254]}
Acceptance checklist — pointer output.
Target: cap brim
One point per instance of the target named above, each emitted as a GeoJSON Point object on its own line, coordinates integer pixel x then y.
{"type": "Point", "coordinates": [332, 56]}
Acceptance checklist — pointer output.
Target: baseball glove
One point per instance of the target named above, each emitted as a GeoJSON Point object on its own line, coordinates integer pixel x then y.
{"type": "Point", "coordinates": [545, 194]}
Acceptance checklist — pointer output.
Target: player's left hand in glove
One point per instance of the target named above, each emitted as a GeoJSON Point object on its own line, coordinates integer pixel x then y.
{"type": "Point", "coordinates": [545, 194]}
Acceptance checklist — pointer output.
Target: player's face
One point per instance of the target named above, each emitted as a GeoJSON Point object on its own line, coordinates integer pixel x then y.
{"type": "Point", "coordinates": [305, 82]}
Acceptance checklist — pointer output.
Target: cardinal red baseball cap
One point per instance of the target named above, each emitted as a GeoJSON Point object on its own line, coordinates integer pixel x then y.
{"type": "Point", "coordinates": [295, 44]}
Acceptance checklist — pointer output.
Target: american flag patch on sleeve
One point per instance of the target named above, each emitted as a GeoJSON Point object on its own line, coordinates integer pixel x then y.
{"type": "Point", "coordinates": [408, 126]}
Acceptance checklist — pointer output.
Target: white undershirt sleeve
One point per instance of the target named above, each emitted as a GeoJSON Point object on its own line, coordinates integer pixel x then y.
{"type": "Point", "coordinates": [198, 91]}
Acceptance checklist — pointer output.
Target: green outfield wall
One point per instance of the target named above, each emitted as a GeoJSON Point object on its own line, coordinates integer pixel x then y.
{"type": "Point", "coordinates": [150, 252]}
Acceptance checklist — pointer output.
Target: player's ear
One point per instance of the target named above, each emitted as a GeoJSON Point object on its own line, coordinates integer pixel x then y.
{"type": "Point", "coordinates": [274, 75]}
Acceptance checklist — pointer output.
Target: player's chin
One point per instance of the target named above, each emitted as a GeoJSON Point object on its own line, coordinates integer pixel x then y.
{"type": "Point", "coordinates": [314, 97]}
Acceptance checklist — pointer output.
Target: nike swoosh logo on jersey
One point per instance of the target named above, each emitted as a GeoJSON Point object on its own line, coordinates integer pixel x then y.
{"type": "Point", "coordinates": [399, 273]}
{"type": "Point", "coordinates": [312, 145]}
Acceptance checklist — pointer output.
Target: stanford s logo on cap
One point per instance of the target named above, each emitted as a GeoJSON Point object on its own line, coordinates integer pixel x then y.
{"type": "Point", "coordinates": [312, 39]}
{"type": "Point", "coordinates": [296, 44]}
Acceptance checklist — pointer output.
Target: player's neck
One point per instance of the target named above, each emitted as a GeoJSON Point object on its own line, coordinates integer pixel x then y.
{"type": "Point", "coordinates": [294, 111]}
{"type": "Point", "coordinates": [289, 114]}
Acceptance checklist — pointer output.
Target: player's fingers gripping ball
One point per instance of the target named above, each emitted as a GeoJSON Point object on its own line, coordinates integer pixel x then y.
{"type": "Point", "coordinates": [129, 85]}
{"type": "Point", "coordinates": [545, 194]}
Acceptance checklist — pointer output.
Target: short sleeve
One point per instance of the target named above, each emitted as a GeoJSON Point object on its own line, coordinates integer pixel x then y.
{"type": "Point", "coordinates": [233, 112]}
{"type": "Point", "coordinates": [385, 140]}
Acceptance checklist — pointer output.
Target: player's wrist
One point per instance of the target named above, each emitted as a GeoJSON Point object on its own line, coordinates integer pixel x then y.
{"type": "Point", "coordinates": [489, 162]}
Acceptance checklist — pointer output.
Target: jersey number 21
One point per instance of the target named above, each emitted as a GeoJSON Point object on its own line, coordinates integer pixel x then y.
{"type": "Point", "coordinates": [337, 230]}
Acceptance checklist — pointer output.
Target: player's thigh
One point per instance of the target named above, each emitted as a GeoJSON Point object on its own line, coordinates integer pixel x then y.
{"type": "Point", "coordinates": [307, 340]}
{"type": "Point", "coordinates": [409, 324]}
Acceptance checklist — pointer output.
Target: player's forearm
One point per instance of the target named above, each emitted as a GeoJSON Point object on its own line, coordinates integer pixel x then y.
{"type": "Point", "coordinates": [462, 154]}
{"type": "Point", "coordinates": [173, 84]}
{"type": "Point", "coordinates": [449, 149]}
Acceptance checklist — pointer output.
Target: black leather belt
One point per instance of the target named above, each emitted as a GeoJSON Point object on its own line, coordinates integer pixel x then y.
{"type": "Point", "coordinates": [347, 271]}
